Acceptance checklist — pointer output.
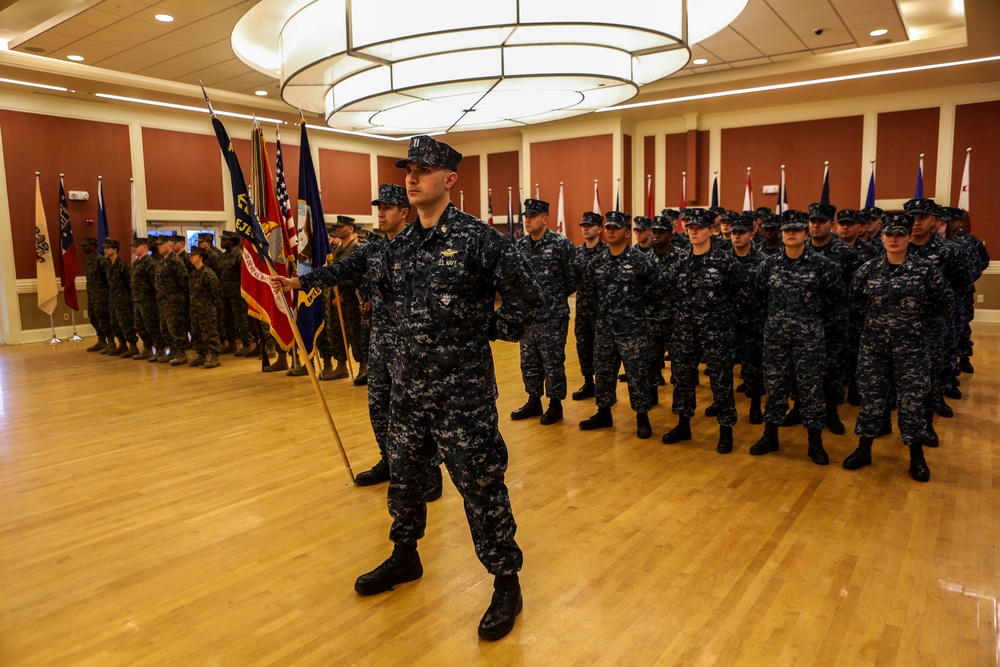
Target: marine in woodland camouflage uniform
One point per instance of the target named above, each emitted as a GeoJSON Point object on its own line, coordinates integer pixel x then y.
{"type": "Point", "coordinates": [236, 322]}
{"type": "Point", "coordinates": [350, 307]}
{"type": "Point", "coordinates": [552, 259]}
{"type": "Point", "coordinates": [120, 300]}
{"type": "Point", "coordinates": [97, 295]}
{"type": "Point", "coordinates": [212, 256]}
{"type": "Point", "coordinates": [585, 318]}
{"type": "Point", "coordinates": [171, 302]}
{"type": "Point", "coordinates": [144, 312]}
{"type": "Point", "coordinates": [206, 293]}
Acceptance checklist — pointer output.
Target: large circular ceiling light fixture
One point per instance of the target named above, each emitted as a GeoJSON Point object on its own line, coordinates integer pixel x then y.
{"type": "Point", "coordinates": [392, 67]}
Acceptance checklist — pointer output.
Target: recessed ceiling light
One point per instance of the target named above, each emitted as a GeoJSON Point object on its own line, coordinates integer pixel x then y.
{"type": "Point", "coordinates": [76, 59]}
{"type": "Point", "coordinates": [700, 61]}
{"type": "Point", "coordinates": [879, 32]}
{"type": "Point", "coordinates": [260, 93]}
{"type": "Point", "coordinates": [166, 18]}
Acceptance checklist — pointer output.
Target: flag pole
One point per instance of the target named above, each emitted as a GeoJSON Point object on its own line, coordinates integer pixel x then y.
{"type": "Point", "coordinates": [55, 339]}
{"type": "Point", "coordinates": [343, 331]}
{"type": "Point", "coordinates": [75, 337]}
{"type": "Point", "coordinates": [302, 347]}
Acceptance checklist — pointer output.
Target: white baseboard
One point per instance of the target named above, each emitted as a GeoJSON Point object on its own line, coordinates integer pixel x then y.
{"type": "Point", "coordinates": [987, 315]}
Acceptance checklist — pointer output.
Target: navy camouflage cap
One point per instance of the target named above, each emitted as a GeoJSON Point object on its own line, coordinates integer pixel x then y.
{"type": "Point", "coordinates": [641, 223]}
{"type": "Point", "coordinates": [90, 240]}
{"type": "Point", "coordinates": [430, 152]}
{"type": "Point", "coordinates": [111, 243]}
{"type": "Point", "coordinates": [897, 223]}
{"type": "Point", "coordinates": [729, 216]}
{"type": "Point", "coordinates": [697, 217]}
{"type": "Point", "coordinates": [923, 206]}
{"type": "Point", "coordinates": [762, 211]}
{"type": "Point", "coordinates": [536, 207]}
{"type": "Point", "coordinates": [741, 223]}
{"type": "Point", "coordinates": [139, 240]}
{"type": "Point", "coordinates": [617, 219]}
{"type": "Point", "coordinates": [716, 211]}
{"type": "Point", "coordinates": [793, 219]}
{"type": "Point", "coordinates": [847, 216]}
{"type": "Point", "coordinates": [873, 212]}
{"type": "Point", "coordinates": [392, 194]}
{"type": "Point", "coordinates": [345, 220]}
{"type": "Point", "coordinates": [206, 237]}
{"type": "Point", "coordinates": [670, 213]}
{"type": "Point", "coordinates": [824, 212]}
{"type": "Point", "coordinates": [661, 223]}
{"type": "Point", "coordinates": [769, 221]}
{"type": "Point", "coordinates": [949, 213]}
{"type": "Point", "coordinates": [591, 218]}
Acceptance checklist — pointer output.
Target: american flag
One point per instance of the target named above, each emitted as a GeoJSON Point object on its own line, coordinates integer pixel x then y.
{"type": "Point", "coordinates": [290, 235]}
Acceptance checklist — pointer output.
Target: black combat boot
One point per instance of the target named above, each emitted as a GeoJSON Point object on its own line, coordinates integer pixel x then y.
{"type": "Point", "coordinates": [601, 419]}
{"type": "Point", "coordinates": [642, 428]}
{"type": "Point", "coordinates": [853, 397]}
{"type": "Point", "coordinates": [943, 408]}
{"type": "Point", "coordinates": [712, 411]}
{"type": "Point", "coordinates": [833, 420]}
{"type": "Point", "coordinates": [768, 442]}
{"type": "Point", "coordinates": [965, 364]}
{"type": "Point", "coordinates": [932, 436]}
{"type": "Point", "coordinates": [886, 423]}
{"type": "Point", "coordinates": [679, 433]}
{"type": "Point", "coordinates": [816, 451]}
{"type": "Point", "coordinates": [402, 566]}
{"type": "Point", "coordinates": [506, 604]}
{"type": "Point", "coordinates": [756, 416]}
{"type": "Point", "coordinates": [792, 417]}
{"type": "Point", "coordinates": [553, 414]}
{"type": "Point", "coordinates": [376, 475]}
{"type": "Point", "coordinates": [725, 440]}
{"type": "Point", "coordinates": [918, 466]}
{"type": "Point", "coordinates": [533, 408]}
{"type": "Point", "coordinates": [861, 457]}
{"type": "Point", "coordinates": [435, 486]}
{"type": "Point", "coordinates": [586, 391]}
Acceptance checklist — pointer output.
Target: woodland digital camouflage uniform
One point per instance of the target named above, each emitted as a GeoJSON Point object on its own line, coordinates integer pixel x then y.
{"type": "Point", "coordinates": [98, 295]}
{"type": "Point", "coordinates": [585, 321]}
{"type": "Point", "coordinates": [543, 347]}
{"type": "Point", "coordinates": [145, 313]}
{"type": "Point", "coordinates": [236, 322]}
{"type": "Point", "coordinates": [120, 300]}
{"type": "Point", "coordinates": [440, 285]}
{"type": "Point", "coordinates": [171, 302]}
{"type": "Point", "coordinates": [896, 303]}
{"type": "Point", "coordinates": [203, 286]}
{"type": "Point", "coordinates": [350, 308]}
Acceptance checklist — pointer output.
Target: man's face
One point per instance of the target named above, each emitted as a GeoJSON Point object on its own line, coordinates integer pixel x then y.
{"type": "Point", "coordinates": [426, 186]}
{"type": "Point", "coordinates": [535, 225]}
{"type": "Point", "coordinates": [178, 246]}
{"type": "Point", "coordinates": [345, 232]}
{"type": "Point", "coordinates": [793, 238]}
{"type": "Point", "coordinates": [110, 253]}
{"type": "Point", "coordinates": [662, 237]}
{"type": "Point", "coordinates": [391, 217]}
{"type": "Point", "coordinates": [895, 241]}
{"type": "Point", "coordinates": [196, 260]}
{"type": "Point", "coordinates": [590, 232]}
{"type": "Point", "coordinates": [819, 230]}
{"type": "Point", "coordinates": [89, 249]}
{"type": "Point", "coordinates": [726, 228]}
{"type": "Point", "coordinates": [166, 248]}
{"type": "Point", "coordinates": [642, 236]}
{"type": "Point", "coordinates": [617, 236]}
{"type": "Point", "coordinates": [770, 233]}
{"type": "Point", "coordinates": [140, 251]}
{"type": "Point", "coordinates": [227, 243]}
{"type": "Point", "coordinates": [698, 234]}
{"type": "Point", "coordinates": [848, 231]}
{"type": "Point", "coordinates": [924, 225]}
{"type": "Point", "coordinates": [741, 239]}
{"type": "Point", "coordinates": [204, 244]}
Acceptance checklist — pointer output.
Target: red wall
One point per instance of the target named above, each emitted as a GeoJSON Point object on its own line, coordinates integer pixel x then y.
{"type": "Point", "coordinates": [82, 150]}
{"type": "Point", "coordinates": [902, 137]}
{"type": "Point", "coordinates": [468, 183]}
{"type": "Point", "coordinates": [345, 181]}
{"type": "Point", "coordinates": [183, 171]}
{"type": "Point", "coordinates": [977, 127]}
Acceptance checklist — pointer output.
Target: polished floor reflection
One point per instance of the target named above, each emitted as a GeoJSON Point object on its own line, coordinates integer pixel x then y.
{"type": "Point", "coordinates": [159, 515]}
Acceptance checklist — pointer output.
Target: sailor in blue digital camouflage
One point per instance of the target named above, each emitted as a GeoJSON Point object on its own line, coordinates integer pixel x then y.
{"type": "Point", "coordinates": [770, 235]}
{"type": "Point", "coordinates": [120, 300]}
{"type": "Point", "coordinates": [206, 293]}
{"type": "Point", "coordinates": [171, 302]}
{"type": "Point", "coordinates": [585, 318]}
{"type": "Point", "coordinates": [848, 229]}
{"type": "Point", "coordinates": [236, 322]}
{"type": "Point", "coordinates": [624, 283]}
{"type": "Point", "coordinates": [680, 238]}
{"type": "Point", "coordinates": [823, 242]}
{"type": "Point", "coordinates": [642, 228]}
{"type": "Point", "coordinates": [955, 266]}
{"type": "Point", "coordinates": [97, 296]}
{"type": "Point", "coordinates": [144, 312]}
{"type": "Point", "coordinates": [896, 295]}
{"type": "Point", "coordinates": [802, 292]}
{"type": "Point", "coordinates": [979, 260]}
{"type": "Point", "coordinates": [440, 279]}
{"type": "Point", "coordinates": [702, 285]}
{"type": "Point", "coordinates": [748, 314]}
{"type": "Point", "coordinates": [552, 259]}
{"type": "Point", "coordinates": [665, 255]}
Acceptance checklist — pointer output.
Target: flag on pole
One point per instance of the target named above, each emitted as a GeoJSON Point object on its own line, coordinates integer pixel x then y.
{"type": "Point", "coordinates": [870, 197]}
{"type": "Point", "coordinates": [461, 200]}
{"type": "Point", "coordinates": [824, 197]}
{"type": "Point", "coordinates": [649, 196]}
{"type": "Point", "coordinates": [618, 196]}
{"type": "Point", "coordinates": [262, 303]}
{"type": "Point", "coordinates": [748, 194]}
{"type": "Point", "coordinates": [489, 207]}
{"type": "Point", "coordinates": [102, 217]}
{"type": "Point", "coordinates": [963, 193]}
{"type": "Point", "coordinates": [510, 214]}
{"type": "Point", "coordinates": [537, 196]}
{"type": "Point", "coordinates": [69, 266]}
{"type": "Point", "coordinates": [136, 214]}
{"type": "Point", "coordinates": [289, 235]}
{"type": "Point", "coordinates": [310, 304]}
{"type": "Point", "coordinates": [48, 291]}
{"type": "Point", "coordinates": [782, 193]}
{"type": "Point", "coordinates": [519, 229]}
{"type": "Point", "coordinates": [684, 187]}
{"type": "Point", "coordinates": [561, 212]}
{"type": "Point", "coordinates": [918, 190]}
{"type": "Point", "coordinates": [597, 200]}
{"type": "Point", "coordinates": [715, 191]}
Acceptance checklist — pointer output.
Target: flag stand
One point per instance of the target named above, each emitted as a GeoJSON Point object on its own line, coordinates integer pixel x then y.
{"type": "Point", "coordinates": [75, 338]}
{"type": "Point", "coordinates": [55, 339]}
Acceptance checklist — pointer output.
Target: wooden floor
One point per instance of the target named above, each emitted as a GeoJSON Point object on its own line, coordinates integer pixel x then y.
{"type": "Point", "coordinates": [152, 515]}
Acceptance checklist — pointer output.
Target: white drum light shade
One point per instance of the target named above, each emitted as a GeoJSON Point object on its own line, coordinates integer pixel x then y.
{"type": "Point", "coordinates": [392, 67]}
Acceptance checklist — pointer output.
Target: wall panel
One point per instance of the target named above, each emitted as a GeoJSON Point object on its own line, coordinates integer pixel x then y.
{"type": "Point", "coordinates": [977, 126]}
{"type": "Point", "coordinates": [902, 137]}
{"type": "Point", "coordinates": [183, 171]}
{"type": "Point", "coordinates": [345, 181]}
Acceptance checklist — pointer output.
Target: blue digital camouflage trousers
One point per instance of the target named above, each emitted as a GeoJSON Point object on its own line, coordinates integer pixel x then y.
{"type": "Point", "coordinates": [583, 330]}
{"type": "Point", "coordinates": [801, 362]}
{"type": "Point", "coordinates": [465, 431]}
{"type": "Point", "coordinates": [613, 349]}
{"type": "Point", "coordinates": [543, 357]}
{"type": "Point", "coordinates": [883, 364]}
{"type": "Point", "coordinates": [689, 344]}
